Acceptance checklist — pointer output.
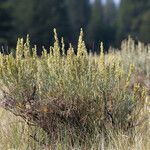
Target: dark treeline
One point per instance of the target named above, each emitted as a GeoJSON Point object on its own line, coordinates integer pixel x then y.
{"type": "Point", "coordinates": [107, 22]}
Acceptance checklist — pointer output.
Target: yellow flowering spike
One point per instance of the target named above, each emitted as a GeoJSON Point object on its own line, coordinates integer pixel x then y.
{"type": "Point", "coordinates": [44, 52]}
{"type": "Point", "coordinates": [26, 49]}
{"type": "Point", "coordinates": [135, 90]}
{"type": "Point", "coordinates": [51, 51]}
{"type": "Point", "coordinates": [102, 59]}
{"type": "Point", "coordinates": [70, 54]}
{"type": "Point", "coordinates": [28, 40]}
{"type": "Point", "coordinates": [9, 60]}
{"type": "Point", "coordinates": [80, 40]}
{"type": "Point", "coordinates": [144, 93]}
{"type": "Point", "coordinates": [62, 46]}
{"type": "Point", "coordinates": [34, 51]}
{"type": "Point", "coordinates": [81, 50]}
{"type": "Point", "coordinates": [56, 45]}
{"type": "Point", "coordinates": [19, 49]}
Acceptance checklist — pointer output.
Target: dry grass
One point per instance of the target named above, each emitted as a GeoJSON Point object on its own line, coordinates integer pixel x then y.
{"type": "Point", "coordinates": [15, 135]}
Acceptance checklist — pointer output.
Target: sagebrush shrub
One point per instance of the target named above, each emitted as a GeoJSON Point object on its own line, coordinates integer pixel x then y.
{"type": "Point", "coordinates": [82, 93]}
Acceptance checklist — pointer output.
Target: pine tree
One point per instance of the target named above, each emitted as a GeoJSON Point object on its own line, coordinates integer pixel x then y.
{"type": "Point", "coordinates": [79, 12]}
{"type": "Point", "coordinates": [95, 27]}
{"type": "Point", "coordinates": [134, 19]}
{"type": "Point", "coordinates": [23, 12]}
{"type": "Point", "coordinates": [110, 17]}
{"type": "Point", "coordinates": [110, 12]}
{"type": "Point", "coordinates": [49, 15]}
{"type": "Point", "coordinates": [126, 13]}
{"type": "Point", "coordinates": [144, 28]}
{"type": "Point", "coordinates": [39, 18]}
{"type": "Point", "coordinates": [5, 23]}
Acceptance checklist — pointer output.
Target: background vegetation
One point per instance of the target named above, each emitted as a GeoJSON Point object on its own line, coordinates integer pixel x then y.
{"type": "Point", "coordinates": [107, 22]}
